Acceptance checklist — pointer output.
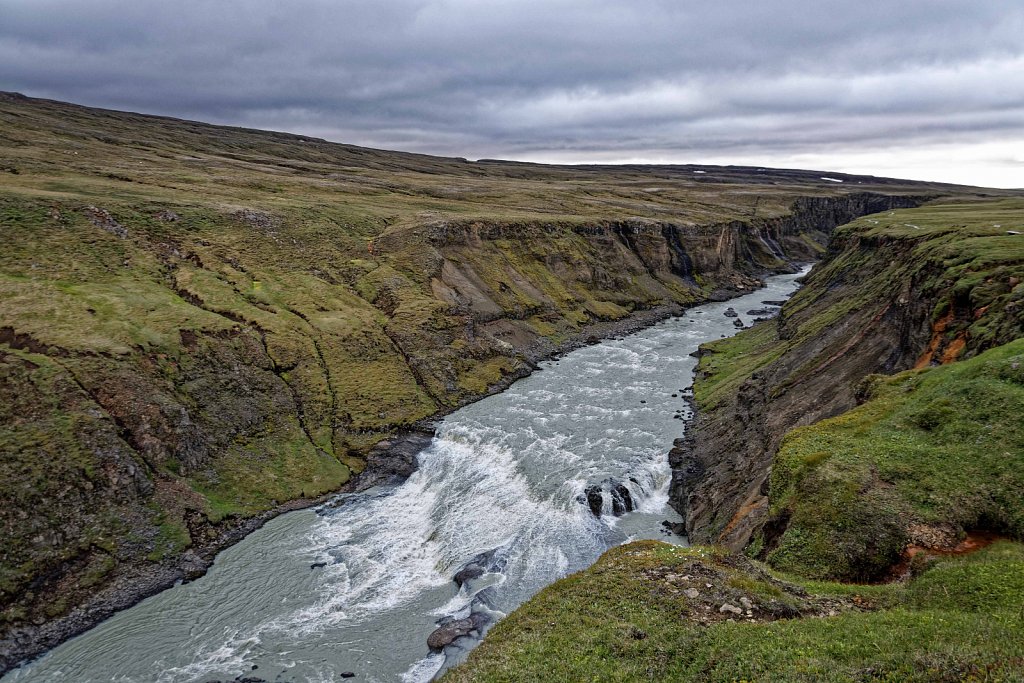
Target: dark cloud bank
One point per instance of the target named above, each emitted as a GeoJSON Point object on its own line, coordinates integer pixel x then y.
{"type": "Point", "coordinates": [920, 88]}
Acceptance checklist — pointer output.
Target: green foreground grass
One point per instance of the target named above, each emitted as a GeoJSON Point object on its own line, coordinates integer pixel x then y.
{"type": "Point", "coordinates": [627, 619]}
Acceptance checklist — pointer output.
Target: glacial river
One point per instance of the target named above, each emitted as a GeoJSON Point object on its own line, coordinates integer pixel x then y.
{"type": "Point", "coordinates": [359, 584]}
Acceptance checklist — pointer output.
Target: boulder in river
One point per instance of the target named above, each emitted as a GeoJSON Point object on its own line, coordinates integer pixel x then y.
{"type": "Point", "coordinates": [677, 528]}
{"type": "Point", "coordinates": [486, 562]}
{"type": "Point", "coordinates": [730, 312]}
{"type": "Point", "coordinates": [761, 311]}
{"type": "Point", "coordinates": [448, 632]}
{"type": "Point", "coordinates": [621, 498]}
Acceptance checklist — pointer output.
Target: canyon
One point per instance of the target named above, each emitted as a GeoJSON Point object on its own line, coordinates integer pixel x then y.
{"type": "Point", "coordinates": [204, 327]}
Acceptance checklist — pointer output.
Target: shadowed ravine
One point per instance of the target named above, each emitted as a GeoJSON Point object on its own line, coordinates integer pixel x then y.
{"type": "Point", "coordinates": [360, 583]}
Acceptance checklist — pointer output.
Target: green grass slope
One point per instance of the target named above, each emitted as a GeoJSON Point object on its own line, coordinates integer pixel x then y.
{"type": "Point", "coordinates": [933, 454]}
{"type": "Point", "coordinates": [647, 611]}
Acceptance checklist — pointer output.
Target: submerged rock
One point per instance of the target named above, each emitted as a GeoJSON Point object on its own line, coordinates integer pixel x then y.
{"type": "Point", "coordinates": [484, 563]}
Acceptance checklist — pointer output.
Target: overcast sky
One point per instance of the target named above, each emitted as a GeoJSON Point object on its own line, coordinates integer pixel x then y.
{"type": "Point", "coordinates": [929, 89]}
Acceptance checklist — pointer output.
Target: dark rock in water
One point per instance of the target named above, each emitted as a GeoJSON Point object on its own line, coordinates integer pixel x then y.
{"type": "Point", "coordinates": [737, 323]}
{"type": "Point", "coordinates": [468, 573]}
{"type": "Point", "coordinates": [677, 528]}
{"type": "Point", "coordinates": [317, 565]}
{"type": "Point", "coordinates": [761, 319]}
{"type": "Point", "coordinates": [393, 460]}
{"type": "Point", "coordinates": [346, 674]}
{"type": "Point", "coordinates": [730, 312]}
{"type": "Point", "coordinates": [622, 499]}
{"type": "Point", "coordinates": [761, 311]}
{"type": "Point", "coordinates": [485, 562]}
{"type": "Point", "coordinates": [773, 302]}
{"type": "Point", "coordinates": [595, 499]}
{"type": "Point", "coordinates": [447, 633]}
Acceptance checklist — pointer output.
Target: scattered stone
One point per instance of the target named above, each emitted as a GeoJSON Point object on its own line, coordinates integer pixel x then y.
{"type": "Point", "coordinates": [747, 605]}
{"type": "Point", "coordinates": [167, 216]}
{"type": "Point", "coordinates": [731, 609]}
{"type": "Point", "coordinates": [102, 219]}
{"type": "Point", "coordinates": [692, 593]}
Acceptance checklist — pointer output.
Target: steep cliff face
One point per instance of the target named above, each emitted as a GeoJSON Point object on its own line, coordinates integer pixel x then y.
{"type": "Point", "coordinates": [894, 291]}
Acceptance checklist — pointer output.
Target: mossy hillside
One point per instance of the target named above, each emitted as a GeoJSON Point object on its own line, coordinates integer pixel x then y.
{"type": "Point", "coordinates": [628, 618]}
{"type": "Point", "coordinates": [937, 448]}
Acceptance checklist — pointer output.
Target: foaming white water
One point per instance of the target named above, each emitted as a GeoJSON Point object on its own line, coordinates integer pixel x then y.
{"type": "Point", "coordinates": [358, 585]}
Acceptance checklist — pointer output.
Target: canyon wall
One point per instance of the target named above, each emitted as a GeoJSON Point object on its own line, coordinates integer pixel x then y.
{"type": "Point", "coordinates": [894, 291]}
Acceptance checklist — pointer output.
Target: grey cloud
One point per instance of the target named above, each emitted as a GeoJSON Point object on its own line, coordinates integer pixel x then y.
{"type": "Point", "coordinates": [512, 78]}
